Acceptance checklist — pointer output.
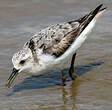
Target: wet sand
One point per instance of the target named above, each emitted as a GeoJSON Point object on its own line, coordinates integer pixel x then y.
{"type": "Point", "coordinates": [19, 20]}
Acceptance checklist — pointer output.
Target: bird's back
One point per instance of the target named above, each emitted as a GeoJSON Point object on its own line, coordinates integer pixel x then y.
{"type": "Point", "coordinates": [56, 40]}
{"type": "Point", "coordinates": [52, 34]}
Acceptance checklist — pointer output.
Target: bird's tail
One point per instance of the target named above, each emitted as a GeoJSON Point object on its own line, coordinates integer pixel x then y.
{"type": "Point", "coordinates": [94, 14]}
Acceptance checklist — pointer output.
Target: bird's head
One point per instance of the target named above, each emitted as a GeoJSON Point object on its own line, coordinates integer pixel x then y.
{"type": "Point", "coordinates": [22, 61]}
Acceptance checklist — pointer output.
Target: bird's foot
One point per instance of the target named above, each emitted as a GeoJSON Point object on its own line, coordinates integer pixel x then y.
{"type": "Point", "coordinates": [73, 76]}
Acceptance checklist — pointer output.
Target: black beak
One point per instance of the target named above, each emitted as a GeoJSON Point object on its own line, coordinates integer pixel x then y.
{"type": "Point", "coordinates": [12, 77]}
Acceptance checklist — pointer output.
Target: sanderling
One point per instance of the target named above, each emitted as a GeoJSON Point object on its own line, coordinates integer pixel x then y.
{"type": "Point", "coordinates": [54, 47]}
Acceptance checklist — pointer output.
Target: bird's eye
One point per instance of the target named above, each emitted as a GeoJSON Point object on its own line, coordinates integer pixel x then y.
{"type": "Point", "coordinates": [22, 62]}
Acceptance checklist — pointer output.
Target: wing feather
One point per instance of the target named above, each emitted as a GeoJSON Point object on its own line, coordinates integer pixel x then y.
{"type": "Point", "coordinates": [53, 40]}
{"type": "Point", "coordinates": [56, 39]}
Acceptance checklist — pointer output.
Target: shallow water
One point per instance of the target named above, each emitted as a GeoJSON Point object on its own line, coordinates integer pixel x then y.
{"type": "Point", "coordinates": [19, 20]}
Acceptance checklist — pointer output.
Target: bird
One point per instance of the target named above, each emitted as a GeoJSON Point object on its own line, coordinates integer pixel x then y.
{"type": "Point", "coordinates": [54, 48]}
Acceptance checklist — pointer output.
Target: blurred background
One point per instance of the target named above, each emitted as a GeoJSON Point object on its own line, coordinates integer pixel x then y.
{"type": "Point", "coordinates": [19, 20]}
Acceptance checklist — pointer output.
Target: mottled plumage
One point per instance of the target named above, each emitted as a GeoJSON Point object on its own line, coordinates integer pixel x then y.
{"type": "Point", "coordinates": [54, 47]}
{"type": "Point", "coordinates": [54, 39]}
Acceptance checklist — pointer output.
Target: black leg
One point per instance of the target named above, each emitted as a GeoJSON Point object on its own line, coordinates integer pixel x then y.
{"type": "Point", "coordinates": [71, 70]}
{"type": "Point", "coordinates": [63, 78]}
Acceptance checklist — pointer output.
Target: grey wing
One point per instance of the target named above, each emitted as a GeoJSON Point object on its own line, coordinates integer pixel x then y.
{"type": "Point", "coordinates": [55, 40]}
{"type": "Point", "coordinates": [52, 39]}
{"type": "Point", "coordinates": [76, 27]}
{"type": "Point", "coordinates": [60, 47]}
{"type": "Point", "coordinates": [54, 34]}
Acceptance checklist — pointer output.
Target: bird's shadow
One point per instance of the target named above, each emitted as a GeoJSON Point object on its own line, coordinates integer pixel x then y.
{"type": "Point", "coordinates": [51, 78]}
